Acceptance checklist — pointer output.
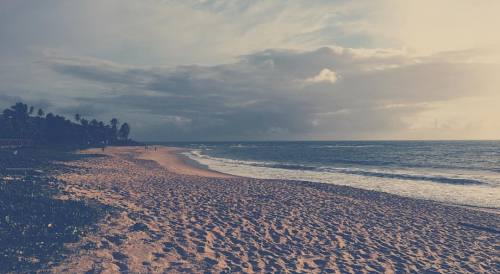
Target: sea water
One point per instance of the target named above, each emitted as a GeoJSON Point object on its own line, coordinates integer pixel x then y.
{"type": "Point", "coordinates": [456, 172]}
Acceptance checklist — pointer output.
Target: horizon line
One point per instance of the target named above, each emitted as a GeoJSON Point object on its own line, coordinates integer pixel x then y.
{"type": "Point", "coordinates": [335, 140]}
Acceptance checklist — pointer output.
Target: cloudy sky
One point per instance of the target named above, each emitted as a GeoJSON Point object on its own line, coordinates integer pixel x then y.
{"type": "Point", "coordinates": [260, 70]}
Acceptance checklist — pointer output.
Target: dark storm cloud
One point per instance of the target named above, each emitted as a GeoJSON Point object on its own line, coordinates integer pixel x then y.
{"type": "Point", "coordinates": [131, 59]}
{"type": "Point", "coordinates": [86, 110]}
{"type": "Point", "coordinates": [276, 94]}
{"type": "Point", "coordinates": [8, 100]}
{"type": "Point", "coordinates": [100, 71]}
{"type": "Point", "coordinates": [5, 100]}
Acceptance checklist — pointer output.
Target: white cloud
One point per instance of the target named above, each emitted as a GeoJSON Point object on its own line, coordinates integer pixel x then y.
{"type": "Point", "coordinates": [325, 75]}
{"type": "Point", "coordinates": [249, 99]}
{"type": "Point", "coordinates": [239, 68]}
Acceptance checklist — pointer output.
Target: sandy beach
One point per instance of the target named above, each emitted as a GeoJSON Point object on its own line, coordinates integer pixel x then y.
{"type": "Point", "coordinates": [174, 218]}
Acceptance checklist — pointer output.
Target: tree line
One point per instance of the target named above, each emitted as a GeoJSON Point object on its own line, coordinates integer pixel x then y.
{"type": "Point", "coordinates": [21, 121]}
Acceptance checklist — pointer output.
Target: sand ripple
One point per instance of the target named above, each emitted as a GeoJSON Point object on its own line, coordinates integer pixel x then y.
{"type": "Point", "coordinates": [169, 223]}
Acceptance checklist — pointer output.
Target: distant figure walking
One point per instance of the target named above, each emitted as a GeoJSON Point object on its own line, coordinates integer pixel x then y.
{"type": "Point", "coordinates": [155, 148]}
{"type": "Point", "coordinates": [103, 149]}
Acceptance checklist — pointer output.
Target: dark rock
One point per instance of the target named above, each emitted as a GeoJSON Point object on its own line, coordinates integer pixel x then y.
{"type": "Point", "coordinates": [210, 262]}
{"type": "Point", "coordinates": [116, 239]}
{"type": "Point", "coordinates": [119, 256]}
{"type": "Point", "coordinates": [139, 227]}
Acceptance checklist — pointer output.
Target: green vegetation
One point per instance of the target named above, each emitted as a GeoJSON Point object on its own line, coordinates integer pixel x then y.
{"type": "Point", "coordinates": [20, 122]}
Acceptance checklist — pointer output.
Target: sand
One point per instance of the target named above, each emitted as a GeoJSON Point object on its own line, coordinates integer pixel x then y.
{"type": "Point", "coordinates": [173, 218]}
{"type": "Point", "coordinates": [169, 158]}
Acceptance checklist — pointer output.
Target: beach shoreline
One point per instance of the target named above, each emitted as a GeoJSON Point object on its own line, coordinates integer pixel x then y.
{"type": "Point", "coordinates": [172, 217]}
{"type": "Point", "coordinates": [186, 165]}
{"type": "Point", "coordinates": [172, 159]}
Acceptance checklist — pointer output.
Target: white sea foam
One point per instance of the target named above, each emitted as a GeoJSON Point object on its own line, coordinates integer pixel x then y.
{"type": "Point", "coordinates": [344, 146]}
{"type": "Point", "coordinates": [482, 195]}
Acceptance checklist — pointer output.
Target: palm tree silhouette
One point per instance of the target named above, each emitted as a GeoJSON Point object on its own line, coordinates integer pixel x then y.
{"type": "Point", "coordinates": [17, 122]}
{"type": "Point", "coordinates": [114, 129]}
{"type": "Point", "coordinates": [124, 131]}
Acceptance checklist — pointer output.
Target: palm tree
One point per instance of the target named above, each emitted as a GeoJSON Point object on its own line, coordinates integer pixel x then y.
{"type": "Point", "coordinates": [18, 114]}
{"type": "Point", "coordinates": [16, 122]}
{"type": "Point", "coordinates": [114, 129]}
{"type": "Point", "coordinates": [124, 131]}
{"type": "Point", "coordinates": [114, 122]}
{"type": "Point", "coordinates": [84, 122]}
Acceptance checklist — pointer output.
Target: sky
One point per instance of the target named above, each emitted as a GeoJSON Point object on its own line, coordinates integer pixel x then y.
{"type": "Point", "coordinates": [211, 70]}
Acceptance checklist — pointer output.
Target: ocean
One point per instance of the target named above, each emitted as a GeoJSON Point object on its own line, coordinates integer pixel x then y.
{"type": "Point", "coordinates": [455, 172]}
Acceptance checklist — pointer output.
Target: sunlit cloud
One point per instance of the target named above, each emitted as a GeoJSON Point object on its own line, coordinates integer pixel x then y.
{"type": "Point", "coordinates": [325, 75]}
{"type": "Point", "coordinates": [317, 69]}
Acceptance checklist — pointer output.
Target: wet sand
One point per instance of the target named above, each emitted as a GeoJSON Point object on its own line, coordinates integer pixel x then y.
{"type": "Point", "coordinates": [174, 218]}
{"type": "Point", "coordinates": [169, 158]}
